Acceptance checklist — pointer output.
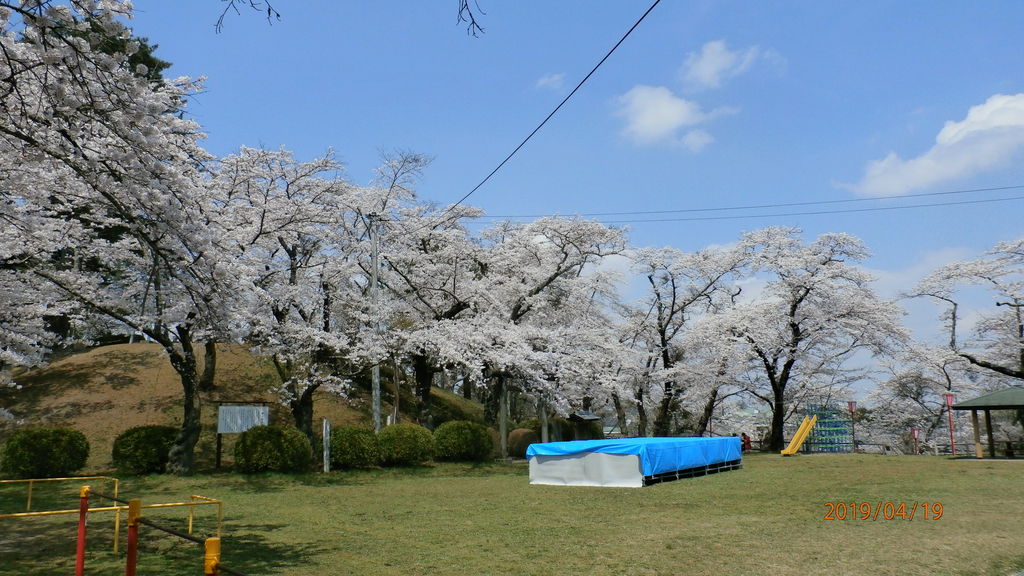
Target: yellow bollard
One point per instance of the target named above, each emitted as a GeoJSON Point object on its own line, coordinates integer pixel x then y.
{"type": "Point", "coordinates": [212, 558]}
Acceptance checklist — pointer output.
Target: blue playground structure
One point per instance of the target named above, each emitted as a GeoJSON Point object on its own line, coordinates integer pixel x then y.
{"type": "Point", "coordinates": [833, 431]}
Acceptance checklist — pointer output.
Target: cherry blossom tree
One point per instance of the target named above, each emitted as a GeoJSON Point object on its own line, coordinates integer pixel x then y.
{"type": "Point", "coordinates": [433, 272]}
{"type": "Point", "coordinates": [997, 345]}
{"type": "Point", "coordinates": [682, 287]}
{"type": "Point", "coordinates": [531, 271]}
{"type": "Point", "coordinates": [289, 226]}
{"type": "Point", "coordinates": [711, 370]}
{"type": "Point", "coordinates": [108, 215]}
{"type": "Point", "coordinates": [913, 396]}
{"type": "Point", "coordinates": [800, 335]}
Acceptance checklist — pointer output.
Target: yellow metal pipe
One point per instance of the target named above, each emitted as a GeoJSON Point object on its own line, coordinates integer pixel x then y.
{"type": "Point", "coordinates": [59, 512]}
{"type": "Point", "coordinates": [196, 500]}
{"type": "Point", "coordinates": [70, 479]}
{"type": "Point", "coordinates": [32, 481]}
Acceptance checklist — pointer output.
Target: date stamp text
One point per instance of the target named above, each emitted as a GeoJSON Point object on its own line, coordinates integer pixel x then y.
{"type": "Point", "coordinates": [883, 510]}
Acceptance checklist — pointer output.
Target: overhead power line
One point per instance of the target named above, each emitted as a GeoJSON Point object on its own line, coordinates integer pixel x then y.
{"type": "Point", "coordinates": [557, 108]}
{"type": "Point", "coordinates": [773, 205]}
{"type": "Point", "coordinates": [815, 212]}
{"type": "Point", "coordinates": [602, 215]}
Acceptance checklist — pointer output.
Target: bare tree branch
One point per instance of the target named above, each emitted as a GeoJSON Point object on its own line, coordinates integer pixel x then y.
{"type": "Point", "coordinates": [466, 15]}
{"type": "Point", "coordinates": [272, 14]}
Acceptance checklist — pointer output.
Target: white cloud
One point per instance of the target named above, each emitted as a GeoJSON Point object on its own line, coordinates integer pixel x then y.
{"type": "Point", "coordinates": [715, 63]}
{"type": "Point", "coordinates": [655, 115]}
{"type": "Point", "coordinates": [990, 135]}
{"type": "Point", "coordinates": [696, 140]}
{"type": "Point", "coordinates": [552, 81]}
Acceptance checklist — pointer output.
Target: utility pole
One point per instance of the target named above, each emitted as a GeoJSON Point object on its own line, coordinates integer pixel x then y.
{"type": "Point", "coordinates": [375, 295]}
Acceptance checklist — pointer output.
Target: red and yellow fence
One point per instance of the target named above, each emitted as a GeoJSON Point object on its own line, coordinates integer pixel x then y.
{"type": "Point", "coordinates": [135, 518]}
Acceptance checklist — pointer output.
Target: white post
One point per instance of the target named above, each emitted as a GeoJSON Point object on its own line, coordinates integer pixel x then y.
{"type": "Point", "coordinates": [327, 445]}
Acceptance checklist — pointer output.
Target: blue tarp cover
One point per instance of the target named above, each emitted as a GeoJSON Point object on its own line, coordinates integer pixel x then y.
{"type": "Point", "coordinates": [657, 455]}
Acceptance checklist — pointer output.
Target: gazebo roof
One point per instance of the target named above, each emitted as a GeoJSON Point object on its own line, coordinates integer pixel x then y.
{"type": "Point", "coordinates": [1011, 398]}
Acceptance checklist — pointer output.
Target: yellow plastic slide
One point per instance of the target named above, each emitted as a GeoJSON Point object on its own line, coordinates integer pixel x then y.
{"type": "Point", "coordinates": [801, 435]}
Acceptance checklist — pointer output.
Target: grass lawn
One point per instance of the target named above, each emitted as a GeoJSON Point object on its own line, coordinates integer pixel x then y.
{"type": "Point", "coordinates": [768, 518]}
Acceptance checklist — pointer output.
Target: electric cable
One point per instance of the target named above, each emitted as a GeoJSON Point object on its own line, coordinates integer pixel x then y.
{"type": "Point", "coordinates": [557, 108]}
{"type": "Point", "coordinates": [765, 206]}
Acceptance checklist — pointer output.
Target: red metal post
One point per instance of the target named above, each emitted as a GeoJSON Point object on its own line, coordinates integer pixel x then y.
{"type": "Point", "coordinates": [949, 408]}
{"type": "Point", "coordinates": [134, 506]}
{"type": "Point", "coordinates": [83, 514]}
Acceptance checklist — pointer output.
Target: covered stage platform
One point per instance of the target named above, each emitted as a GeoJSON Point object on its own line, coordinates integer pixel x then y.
{"type": "Point", "coordinates": [630, 462]}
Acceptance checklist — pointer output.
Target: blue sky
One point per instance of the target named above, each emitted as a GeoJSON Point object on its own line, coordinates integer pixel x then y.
{"type": "Point", "coordinates": [708, 104]}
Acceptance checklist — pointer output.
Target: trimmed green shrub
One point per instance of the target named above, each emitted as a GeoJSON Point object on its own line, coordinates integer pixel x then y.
{"type": "Point", "coordinates": [531, 423]}
{"type": "Point", "coordinates": [495, 442]}
{"type": "Point", "coordinates": [44, 453]}
{"type": "Point", "coordinates": [272, 449]}
{"type": "Point", "coordinates": [519, 440]}
{"type": "Point", "coordinates": [405, 445]}
{"type": "Point", "coordinates": [559, 429]}
{"type": "Point", "coordinates": [462, 441]}
{"type": "Point", "coordinates": [447, 407]}
{"type": "Point", "coordinates": [143, 449]}
{"type": "Point", "coordinates": [353, 447]}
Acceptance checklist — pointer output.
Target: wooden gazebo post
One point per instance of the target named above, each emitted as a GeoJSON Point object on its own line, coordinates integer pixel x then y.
{"type": "Point", "coordinates": [988, 430]}
{"type": "Point", "coordinates": [1011, 398]}
{"type": "Point", "coordinates": [978, 452]}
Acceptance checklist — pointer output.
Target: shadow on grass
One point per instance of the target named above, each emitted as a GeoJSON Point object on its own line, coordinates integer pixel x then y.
{"type": "Point", "coordinates": [246, 550]}
{"type": "Point", "coordinates": [46, 546]}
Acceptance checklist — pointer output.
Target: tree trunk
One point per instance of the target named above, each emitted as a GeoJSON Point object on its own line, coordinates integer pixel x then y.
{"type": "Point", "coordinates": [641, 421]}
{"type": "Point", "coordinates": [709, 411]}
{"type": "Point", "coordinates": [663, 419]}
{"type": "Point", "coordinates": [395, 405]}
{"type": "Point", "coordinates": [301, 407]}
{"type": "Point", "coordinates": [620, 414]}
{"type": "Point", "coordinates": [181, 457]}
{"type": "Point", "coordinates": [503, 415]}
{"type": "Point", "coordinates": [424, 372]}
{"type": "Point", "coordinates": [206, 382]}
{"type": "Point", "coordinates": [490, 399]}
{"type": "Point", "coordinates": [467, 388]}
{"type": "Point", "coordinates": [777, 439]}
{"type": "Point", "coordinates": [542, 416]}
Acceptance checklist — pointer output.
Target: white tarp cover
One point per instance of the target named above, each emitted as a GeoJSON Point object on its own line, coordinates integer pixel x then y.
{"type": "Point", "coordinates": [587, 469]}
{"type": "Point", "coordinates": [624, 462]}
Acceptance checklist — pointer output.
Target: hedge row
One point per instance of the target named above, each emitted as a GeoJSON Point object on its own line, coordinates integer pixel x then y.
{"type": "Point", "coordinates": [53, 452]}
{"type": "Point", "coordinates": [408, 444]}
